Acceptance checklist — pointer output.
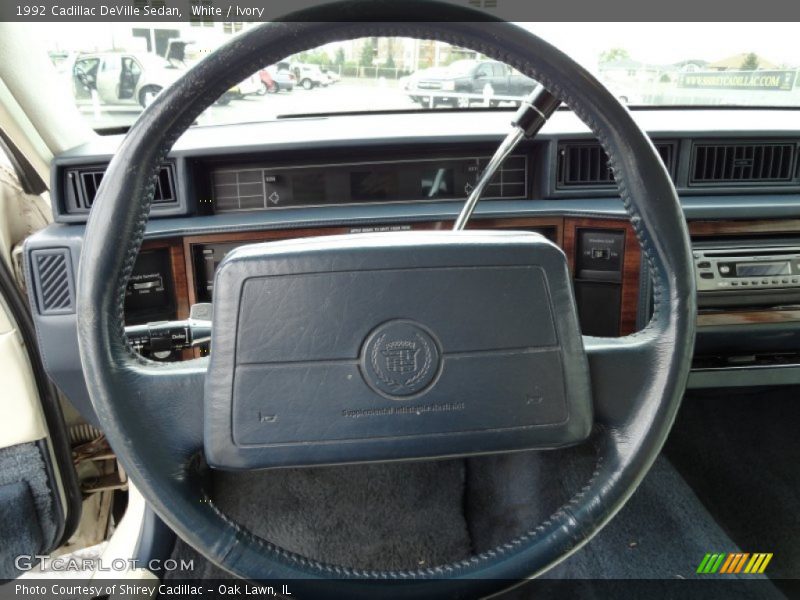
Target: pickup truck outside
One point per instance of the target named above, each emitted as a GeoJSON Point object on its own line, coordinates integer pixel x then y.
{"type": "Point", "coordinates": [473, 81]}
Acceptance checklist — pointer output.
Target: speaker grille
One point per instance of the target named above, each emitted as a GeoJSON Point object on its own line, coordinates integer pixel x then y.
{"type": "Point", "coordinates": [53, 283]}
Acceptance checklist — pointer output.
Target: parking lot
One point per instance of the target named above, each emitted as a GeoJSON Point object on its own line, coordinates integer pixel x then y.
{"type": "Point", "coordinates": [365, 94]}
{"type": "Point", "coordinates": [344, 96]}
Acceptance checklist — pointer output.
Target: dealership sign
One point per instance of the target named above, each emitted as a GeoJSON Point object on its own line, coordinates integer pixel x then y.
{"type": "Point", "coordinates": [739, 80]}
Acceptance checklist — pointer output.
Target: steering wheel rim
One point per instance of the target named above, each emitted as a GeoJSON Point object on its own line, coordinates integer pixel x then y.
{"type": "Point", "coordinates": [638, 381]}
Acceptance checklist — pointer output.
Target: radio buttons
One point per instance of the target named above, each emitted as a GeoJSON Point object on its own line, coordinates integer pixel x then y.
{"type": "Point", "coordinates": [707, 275]}
{"type": "Point", "coordinates": [724, 269]}
{"type": "Point", "coordinates": [703, 264]}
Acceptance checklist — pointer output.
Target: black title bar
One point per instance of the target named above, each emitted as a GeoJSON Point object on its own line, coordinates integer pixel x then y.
{"type": "Point", "coordinates": [509, 10]}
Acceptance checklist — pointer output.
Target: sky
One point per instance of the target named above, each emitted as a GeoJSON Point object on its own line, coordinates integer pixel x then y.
{"type": "Point", "coordinates": [653, 43]}
{"type": "Point", "coordinates": [667, 43]}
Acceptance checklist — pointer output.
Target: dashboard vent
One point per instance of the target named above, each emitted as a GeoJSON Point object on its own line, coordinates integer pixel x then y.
{"type": "Point", "coordinates": [165, 186]}
{"type": "Point", "coordinates": [585, 164]}
{"type": "Point", "coordinates": [83, 183]}
{"type": "Point", "coordinates": [52, 276]}
{"type": "Point", "coordinates": [742, 162]}
{"type": "Point", "coordinates": [88, 182]}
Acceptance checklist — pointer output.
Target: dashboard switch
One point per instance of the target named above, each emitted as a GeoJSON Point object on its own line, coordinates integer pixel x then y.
{"type": "Point", "coordinates": [599, 254]}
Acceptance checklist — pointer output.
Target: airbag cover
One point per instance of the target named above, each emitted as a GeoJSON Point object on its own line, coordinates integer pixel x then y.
{"type": "Point", "coordinates": [391, 346]}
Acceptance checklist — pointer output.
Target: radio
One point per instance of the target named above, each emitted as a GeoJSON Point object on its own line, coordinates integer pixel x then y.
{"type": "Point", "coordinates": [722, 269]}
{"type": "Point", "coordinates": [758, 275]}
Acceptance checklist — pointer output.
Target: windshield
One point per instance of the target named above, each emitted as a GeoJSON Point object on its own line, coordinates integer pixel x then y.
{"type": "Point", "coordinates": [113, 70]}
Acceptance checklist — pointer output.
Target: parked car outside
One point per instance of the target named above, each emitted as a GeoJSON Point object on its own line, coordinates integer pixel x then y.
{"type": "Point", "coordinates": [275, 79]}
{"type": "Point", "coordinates": [483, 79]}
{"type": "Point", "coordinates": [331, 75]}
{"type": "Point", "coordinates": [247, 87]}
{"type": "Point", "coordinates": [121, 78]}
{"type": "Point", "coordinates": [309, 76]}
{"type": "Point", "coordinates": [409, 82]}
{"type": "Point", "coordinates": [267, 83]}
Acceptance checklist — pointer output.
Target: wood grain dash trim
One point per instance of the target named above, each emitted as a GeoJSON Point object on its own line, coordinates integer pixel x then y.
{"type": "Point", "coordinates": [562, 230]}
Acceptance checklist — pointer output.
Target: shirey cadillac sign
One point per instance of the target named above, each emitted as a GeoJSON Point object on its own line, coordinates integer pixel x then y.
{"type": "Point", "coordinates": [739, 80]}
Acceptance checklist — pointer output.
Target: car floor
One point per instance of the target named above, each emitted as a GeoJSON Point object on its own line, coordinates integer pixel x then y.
{"type": "Point", "coordinates": [740, 453]}
{"type": "Point", "coordinates": [407, 515]}
{"type": "Point", "coordinates": [401, 516]}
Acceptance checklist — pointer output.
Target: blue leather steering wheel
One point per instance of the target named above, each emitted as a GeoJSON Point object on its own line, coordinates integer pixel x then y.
{"type": "Point", "coordinates": [153, 414]}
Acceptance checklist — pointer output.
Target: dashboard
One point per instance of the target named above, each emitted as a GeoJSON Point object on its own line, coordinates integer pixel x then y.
{"type": "Point", "coordinates": [737, 173]}
{"type": "Point", "coordinates": [261, 186]}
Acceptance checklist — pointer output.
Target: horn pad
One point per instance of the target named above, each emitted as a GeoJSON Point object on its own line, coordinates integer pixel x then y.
{"type": "Point", "coordinates": [440, 344]}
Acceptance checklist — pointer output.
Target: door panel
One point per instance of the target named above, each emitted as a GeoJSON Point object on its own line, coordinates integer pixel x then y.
{"type": "Point", "coordinates": [22, 417]}
{"type": "Point", "coordinates": [32, 498]}
{"type": "Point", "coordinates": [39, 495]}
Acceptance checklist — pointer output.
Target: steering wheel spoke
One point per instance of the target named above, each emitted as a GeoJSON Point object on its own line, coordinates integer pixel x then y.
{"type": "Point", "coordinates": [622, 370]}
{"type": "Point", "coordinates": [163, 403]}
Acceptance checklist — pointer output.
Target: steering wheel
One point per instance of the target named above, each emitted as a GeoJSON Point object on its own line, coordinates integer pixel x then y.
{"type": "Point", "coordinates": [166, 422]}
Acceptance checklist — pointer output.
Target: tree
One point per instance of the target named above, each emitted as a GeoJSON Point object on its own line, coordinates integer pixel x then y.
{"type": "Point", "coordinates": [313, 57]}
{"type": "Point", "coordinates": [339, 57]}
{"type": "Point", "coordinates": [750, 62]}
{"type": "Point", "coordinates": [613, 54]}
{"type": "Point", "coordinates": [367, 54]}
